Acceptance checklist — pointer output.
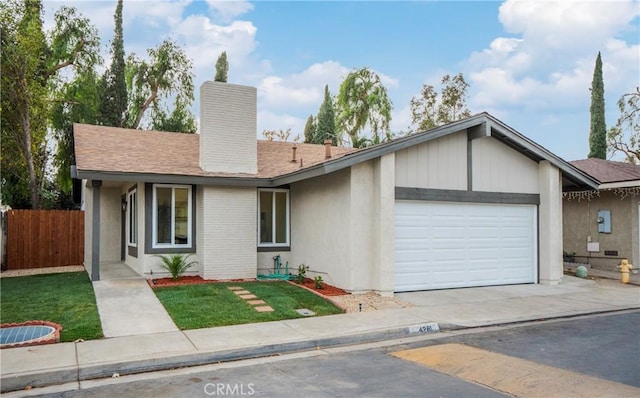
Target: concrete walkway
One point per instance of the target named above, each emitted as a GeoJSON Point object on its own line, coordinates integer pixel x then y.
{"type": "Point", "coordinates": [434, 311]}
{"type": "Point", "coordinates": [127, 305]}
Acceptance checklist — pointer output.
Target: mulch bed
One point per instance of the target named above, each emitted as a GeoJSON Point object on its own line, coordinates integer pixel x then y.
{"type": "Point", "coordinates": [327, 290]}
{"type": "Point", "coordinates": [188, 280]}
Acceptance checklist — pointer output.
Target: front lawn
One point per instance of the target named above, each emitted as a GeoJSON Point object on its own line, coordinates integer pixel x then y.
{"type": "Point", "coordinates": [65, 298]}
{"type": "Point", "coordinates": [213, 304]}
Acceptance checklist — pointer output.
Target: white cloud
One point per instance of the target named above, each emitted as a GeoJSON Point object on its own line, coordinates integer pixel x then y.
{"type": "Point", "coordinates": [268, 120]}
{"type": "Point", "coordinates": [227, 10]}
{"type": "Point", "coordinates": [304, 89]}
{"type": "Point", "coordinates": [551, 64]}
{"type": "Point", "coordinates": [566, 24]}
{"type": "Point", "coordinates": [204, 41]}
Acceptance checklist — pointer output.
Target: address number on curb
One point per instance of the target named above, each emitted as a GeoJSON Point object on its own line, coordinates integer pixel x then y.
{"type": "Point", "coordinates": [425, 328]}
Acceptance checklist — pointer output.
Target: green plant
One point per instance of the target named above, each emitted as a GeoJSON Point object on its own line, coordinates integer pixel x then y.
{"type": "Point", "coordinates": [302, 273]}
{"type": "Point", "coordinates": [176, 264]}
{"type": "Point", "coordinates": [318, 281]}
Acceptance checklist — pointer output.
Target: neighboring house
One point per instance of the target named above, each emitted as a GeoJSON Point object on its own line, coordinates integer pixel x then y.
{"type": "Point", "coordinates": [601, 226]}
{"type": "Point", "coordinates": [472, 203]}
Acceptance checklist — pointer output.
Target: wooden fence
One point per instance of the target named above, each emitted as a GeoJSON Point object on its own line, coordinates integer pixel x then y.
{"type": "Point", "coordinates": [44, 238]}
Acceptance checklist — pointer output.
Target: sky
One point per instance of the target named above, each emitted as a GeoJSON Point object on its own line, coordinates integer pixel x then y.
{"type": "Point", "coordinates": [529, 63]}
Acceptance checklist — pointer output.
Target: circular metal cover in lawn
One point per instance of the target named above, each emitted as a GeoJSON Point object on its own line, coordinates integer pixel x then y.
{"type": "Point", "coordinates": [24, 334]}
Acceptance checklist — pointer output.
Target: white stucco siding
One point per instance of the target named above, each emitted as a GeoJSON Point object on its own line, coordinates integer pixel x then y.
{"type": "Point", "coordinates": [110, 224]}
{"type": "Point", "coordinates": [498, 168]}
{"type": "Point", "coordinates": [438, 164]}
{"type": "Point", "coordinates": [226, 228]}
{"type": "Point", "coordinates": [550, 220]}
{"type": "Point", "coordinates": [320, 227]}
{"type": "Point", "coordinates": [364, 209]}
{"type": "Point", "coordinates": [87, 206]}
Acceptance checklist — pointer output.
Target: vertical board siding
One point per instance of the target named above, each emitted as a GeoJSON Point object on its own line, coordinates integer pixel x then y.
{"type": "Point", "coordinates": [44, 238]}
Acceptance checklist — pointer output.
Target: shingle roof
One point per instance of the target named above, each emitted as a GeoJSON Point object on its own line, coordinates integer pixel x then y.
{"type": "Point", "coordinates": [111, 149]}
{"type": "Point", "coordinates": [607, 171]}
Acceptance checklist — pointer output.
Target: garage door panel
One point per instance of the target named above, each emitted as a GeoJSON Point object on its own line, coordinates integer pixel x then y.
{"type": "Point", "coordinates": [444, 245]}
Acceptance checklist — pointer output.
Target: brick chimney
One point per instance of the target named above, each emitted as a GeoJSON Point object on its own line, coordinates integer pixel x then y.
{"type": "Point", "coordinates": [228, 128]}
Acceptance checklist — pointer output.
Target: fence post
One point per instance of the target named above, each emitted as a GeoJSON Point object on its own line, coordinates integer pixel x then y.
{"type": "Point", "coordinates": [3, 240]}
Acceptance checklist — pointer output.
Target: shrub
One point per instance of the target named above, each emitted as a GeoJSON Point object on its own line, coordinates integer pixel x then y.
{"type": "Point", "coordinates": [318, 281]}
{"type": "Point", "coordinates": [302, 273]}
{"type": "Point", "coordinates": [176, 264]}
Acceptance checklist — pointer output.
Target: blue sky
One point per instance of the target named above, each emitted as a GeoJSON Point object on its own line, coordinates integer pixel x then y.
{"type": "Point", "coordinates": [529, 63]}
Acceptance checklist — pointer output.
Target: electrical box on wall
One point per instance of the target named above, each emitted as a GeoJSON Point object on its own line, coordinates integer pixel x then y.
{"type": "Point", "coordinates": [593, 247]}
{"type": "Point", "coordinates": [604, 221]}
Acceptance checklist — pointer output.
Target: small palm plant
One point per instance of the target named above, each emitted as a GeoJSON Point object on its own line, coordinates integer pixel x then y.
{"type": "Point", "coordinates": [176, 264]}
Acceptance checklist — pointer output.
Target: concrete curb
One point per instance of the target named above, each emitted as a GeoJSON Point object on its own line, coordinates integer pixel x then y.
{"type": "Point", "coordinates": [46, 378]}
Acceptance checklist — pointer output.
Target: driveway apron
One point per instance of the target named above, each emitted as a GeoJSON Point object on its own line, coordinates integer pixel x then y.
{"type": "Point", "coordinates": [127, 305]}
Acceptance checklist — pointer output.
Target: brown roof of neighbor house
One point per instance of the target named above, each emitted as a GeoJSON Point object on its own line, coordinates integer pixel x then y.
{"type": "Point", "coordinates": [118, 150]}
{"type": "Point", "coordinates": [607, 171]}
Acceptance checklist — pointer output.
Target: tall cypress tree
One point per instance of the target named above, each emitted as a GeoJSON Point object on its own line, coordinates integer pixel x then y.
{"type": "Point", "coordinates": [309, 130]}
{"type": "Point", "coordinates": [222, 68]}
{"type": "Point", "coordinates": [114, 100]}
{"type": "Point", "coordinates": [598, 131]}
{"type": "Point", "coordinates": [326, 121]}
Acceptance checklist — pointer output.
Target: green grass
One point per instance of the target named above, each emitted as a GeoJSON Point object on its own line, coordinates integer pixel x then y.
{"type": "Point", "coordinates": [209, 305]}
{"type": "Point", "coordinates": [66, 299]}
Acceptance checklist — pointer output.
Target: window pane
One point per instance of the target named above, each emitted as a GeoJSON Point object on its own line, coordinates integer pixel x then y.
{"type": "Point", "coordinates": [266, 217]}
{"type": "Point", "coordinates": [181, 216]}
{"type": "Point", "coordinates": [281, 217]}
{"type": "Point", "coordinates": [163, 196]}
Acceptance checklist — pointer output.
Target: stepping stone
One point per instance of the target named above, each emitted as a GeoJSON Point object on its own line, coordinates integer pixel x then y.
{"type": "Point", "coordinates": [248, 296]}
{"type": "Point", "coordinates": [234, 288]}
{"type": "Point", "coordinates": [239, 292]}
{"type": "Point", "coordinates": [263, 308]}
{"type": "Point", "coordinates": [256, 302]}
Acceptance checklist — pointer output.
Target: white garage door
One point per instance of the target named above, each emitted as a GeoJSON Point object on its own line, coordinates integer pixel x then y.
{"type": "Point", "coordinates": [443, 245]}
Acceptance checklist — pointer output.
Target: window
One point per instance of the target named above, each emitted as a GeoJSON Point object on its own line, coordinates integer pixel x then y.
{"type": "Point", "coordinates": [171, 216]}
{"type": "Point", "coordinates": [604, 221]}
{"type": "Point", "coordinates": [273, 217]}
{"type": "Point", "coordinates": [132, 208]}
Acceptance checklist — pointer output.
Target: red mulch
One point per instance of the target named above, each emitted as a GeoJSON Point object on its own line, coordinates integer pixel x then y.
{"type": "Point", "coordinates": [327, 290]}
{"type": "Point", "coordinates": [188, 280]}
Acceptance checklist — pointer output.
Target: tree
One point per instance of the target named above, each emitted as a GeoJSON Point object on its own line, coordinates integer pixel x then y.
{"type": "Point", "coordinates": [222, 68]}
{"type": "Point", "coordinates": [279, 135]}
{"type": "Point", "coordinates": [598, 131]}
{"type": "Point", "coordinates": [326, 120]}
{"type": "Point", "coordinates": [363, 101]}
{"type": "Point", "coordinates": [624, 137]}
{"type": "Point", "coordinates": [310, 130]}
{"type": "Point", "coordinates": [31, 67]}
{"type": "Point", "coordinates": [429, 111]}
{"type": "Point", "coordinates": [166, 75]}
{"type": "Point", "coordinates": [113, 106]}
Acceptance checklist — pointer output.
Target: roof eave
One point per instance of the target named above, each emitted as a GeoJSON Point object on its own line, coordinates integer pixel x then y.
{"type": "Point", "coordinates": [172, 178]}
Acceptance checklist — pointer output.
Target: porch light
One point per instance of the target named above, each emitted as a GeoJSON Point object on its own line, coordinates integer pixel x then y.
{"type": "Point", "coordinates": [124, 204]}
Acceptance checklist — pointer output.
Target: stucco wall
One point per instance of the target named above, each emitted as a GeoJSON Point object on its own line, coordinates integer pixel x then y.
{"type": "Point", "coordinates": [226, 232]}
{"type": "Point", "coordinates": [498, 168]}
{"type": "Point", "coordinates": [580, 224]}
{"type": "Point", "coordinates": [550, 224]}
{"type": "Point", "coordinates": [438, 164]}
{"type": "Point", "coordinates": [320, 227]}
{"type": "Point", "coordinates": [110, 223]}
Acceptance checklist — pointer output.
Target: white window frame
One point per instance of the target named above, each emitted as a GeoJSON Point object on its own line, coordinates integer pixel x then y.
{"type": "Point", "coordinates": [132, 210]}
{"type": "Point", "coordinates": [273, 221]}
{"type": "Point", "coordinates": [154, 217]}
